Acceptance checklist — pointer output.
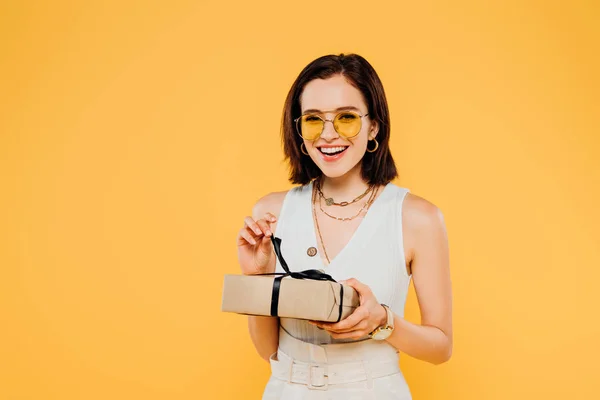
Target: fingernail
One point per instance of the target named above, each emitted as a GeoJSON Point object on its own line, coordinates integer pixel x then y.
{"type": "Point", "coordinates": [269, 233]}
{"type": "Point", "coordinates": [253, 241]}
{"type": "Point", "coordinates": [257, 231]}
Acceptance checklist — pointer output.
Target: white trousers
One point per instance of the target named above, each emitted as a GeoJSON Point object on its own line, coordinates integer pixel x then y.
{"type": "Point", "coordinates": [362, 370]}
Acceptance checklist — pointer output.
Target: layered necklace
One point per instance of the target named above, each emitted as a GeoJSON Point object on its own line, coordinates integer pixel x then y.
{"type": "Point", "coordinates": [317, 195]}
{"type": "Point", "coordinates": [330, 202]}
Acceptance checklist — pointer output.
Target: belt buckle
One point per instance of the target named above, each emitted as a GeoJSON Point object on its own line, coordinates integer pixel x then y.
{"type": "Point", "coordinates": [323, 376]}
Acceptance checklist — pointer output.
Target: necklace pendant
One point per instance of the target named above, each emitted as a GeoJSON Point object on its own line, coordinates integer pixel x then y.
{"type": "Point", "coordinates": [329, 201]}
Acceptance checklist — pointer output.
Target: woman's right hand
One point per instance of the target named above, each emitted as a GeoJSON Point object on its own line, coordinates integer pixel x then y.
{"type": "Point", "coordinates": [255, 250]}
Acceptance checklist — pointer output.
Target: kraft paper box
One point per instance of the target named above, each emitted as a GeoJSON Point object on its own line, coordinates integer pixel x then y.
{"type": "Point", "coordinates": [317, 300]}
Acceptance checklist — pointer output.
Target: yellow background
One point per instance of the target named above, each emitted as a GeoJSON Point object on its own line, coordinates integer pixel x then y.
{"type": "Point", "coordinates": [136, 135]}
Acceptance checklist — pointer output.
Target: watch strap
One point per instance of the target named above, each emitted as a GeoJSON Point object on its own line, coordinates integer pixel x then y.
{"type": "Point", "coordinates": [390, 316]}
{"type": "Point", "coordinates": [388, 325]}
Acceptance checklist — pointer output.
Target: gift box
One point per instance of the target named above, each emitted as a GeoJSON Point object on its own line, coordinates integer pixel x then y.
{"type": "Point", "coordinates": [310, 294]}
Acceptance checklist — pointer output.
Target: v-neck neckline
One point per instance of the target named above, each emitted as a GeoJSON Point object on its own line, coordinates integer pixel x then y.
{"type": "Point", "coordinates": [353, 238]}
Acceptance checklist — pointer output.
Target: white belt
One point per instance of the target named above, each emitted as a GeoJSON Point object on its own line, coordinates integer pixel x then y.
{"type": "Point", "coordinates": [319, 375]}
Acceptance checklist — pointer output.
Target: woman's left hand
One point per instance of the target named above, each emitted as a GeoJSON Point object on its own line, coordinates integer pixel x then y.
{"type": "Point", "coordinates": [364, 320]}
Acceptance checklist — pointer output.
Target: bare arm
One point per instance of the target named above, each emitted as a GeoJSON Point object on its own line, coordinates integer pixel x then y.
{"type": "Point", "coordinates": [430, 341]}
{"type": "Point", "coordinates": [264, 330]}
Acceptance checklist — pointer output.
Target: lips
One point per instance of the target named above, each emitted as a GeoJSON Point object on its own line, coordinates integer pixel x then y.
{"type": "Point", "coordinates": [332, 153]}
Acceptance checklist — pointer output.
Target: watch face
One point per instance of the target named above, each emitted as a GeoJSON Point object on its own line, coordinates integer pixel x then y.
{"type": "Point", "coordinates": [382, 334]}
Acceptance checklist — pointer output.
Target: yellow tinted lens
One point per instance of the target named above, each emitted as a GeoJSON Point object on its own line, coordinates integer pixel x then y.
{"type": "Point", "coordinates": [310, 126]}
{"type": "Point", "coordinates": [347, 124]}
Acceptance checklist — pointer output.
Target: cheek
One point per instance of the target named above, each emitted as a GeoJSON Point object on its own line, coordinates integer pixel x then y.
{"type": "Point", "coordinates": [359, 145]}
{"type": "Point", "coordinates": [360, 141]}
{"type": "Point", "coordinates": [313, 151]}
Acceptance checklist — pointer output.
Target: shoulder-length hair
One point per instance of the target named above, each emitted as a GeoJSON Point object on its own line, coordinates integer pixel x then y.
{"type": "Point", "coordinates": [378, 168]}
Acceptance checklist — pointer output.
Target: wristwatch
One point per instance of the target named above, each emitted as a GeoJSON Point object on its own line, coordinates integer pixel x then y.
{"type": "Point", "coordinates": [384, 331]}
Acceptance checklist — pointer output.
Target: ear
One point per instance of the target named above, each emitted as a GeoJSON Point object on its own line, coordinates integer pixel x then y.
{"type": "Point", "coordinates": [373, 130]}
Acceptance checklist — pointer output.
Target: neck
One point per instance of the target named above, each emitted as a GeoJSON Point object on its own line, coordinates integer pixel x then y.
{"type": "Point", "coordinates": [345, 187]}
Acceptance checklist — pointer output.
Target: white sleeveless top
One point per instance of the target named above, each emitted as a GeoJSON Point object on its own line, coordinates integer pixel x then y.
{"type": "Point", "coordinates": [374, 255]}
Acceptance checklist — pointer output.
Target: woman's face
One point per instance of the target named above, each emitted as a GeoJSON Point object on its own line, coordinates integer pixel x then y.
{"type": "Point", "coordinates": [325, 96]}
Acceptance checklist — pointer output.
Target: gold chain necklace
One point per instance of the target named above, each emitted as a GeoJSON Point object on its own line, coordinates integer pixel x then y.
{"type": "Point", "coordinates": [366, 205]}
{"type": "Point", "coordinates": [313, 201]}
{"type": "Point", "coordinates": [329, 200]}
{"type": "Point", "coordinates": [314, 197]}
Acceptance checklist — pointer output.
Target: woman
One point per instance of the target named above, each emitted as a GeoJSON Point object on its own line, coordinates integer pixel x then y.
{"type": "Point", "coordinates": [346, 217]}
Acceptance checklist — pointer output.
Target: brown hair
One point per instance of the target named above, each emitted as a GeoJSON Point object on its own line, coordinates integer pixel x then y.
{"type": "Point", "coordinates": [378, 168]}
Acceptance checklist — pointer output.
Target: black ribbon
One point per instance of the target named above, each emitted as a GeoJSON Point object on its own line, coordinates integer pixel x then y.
{"type": "Point", "coordinates": [311, 274]}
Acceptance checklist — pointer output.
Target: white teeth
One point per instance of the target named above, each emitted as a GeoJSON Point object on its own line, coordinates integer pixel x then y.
{"type": "Point", "coordinates": [331, 149]}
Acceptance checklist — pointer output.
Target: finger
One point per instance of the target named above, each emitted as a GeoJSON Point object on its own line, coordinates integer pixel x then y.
{"type": "Point", "coordinates": [358, 334]}
{"type": "Point", "coordinates": [249, 222]}
{"type": "Point", "coordinates": [358, 285]}
{"type": "Point", "coordinates": [350, 323]}
{"type": "Point", "coordinates": [270, 217]}
{"type": "Point", "coordinates": [316, 323]}
{"type": "Point", "coordinates": [245, 236]}
{"type": "Point", "coordinates": [264, 227]}
{"type": "Point", "coordinates": [363, 290]}
{"type": "Point", "coordinates": [266, 246]}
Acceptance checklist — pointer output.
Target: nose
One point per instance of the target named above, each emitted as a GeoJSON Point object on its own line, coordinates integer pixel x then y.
{"type": "Point", "coordinates": [329, 132]}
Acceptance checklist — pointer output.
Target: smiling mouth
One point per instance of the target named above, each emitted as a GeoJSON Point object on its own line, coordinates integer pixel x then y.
{"type": "Point", "coordinates": [332, 151]}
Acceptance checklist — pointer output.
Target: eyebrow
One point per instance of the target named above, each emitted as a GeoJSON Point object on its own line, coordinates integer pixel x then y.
{"type": "Point", "coordinates": [314, 110]}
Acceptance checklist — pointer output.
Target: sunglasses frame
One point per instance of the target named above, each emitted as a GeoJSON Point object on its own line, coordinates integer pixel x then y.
{"type": "Point", "coordinates": [330, 120]}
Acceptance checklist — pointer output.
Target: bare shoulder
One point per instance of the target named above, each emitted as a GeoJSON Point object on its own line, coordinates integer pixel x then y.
{"type": "Point", "coordinates": [421, 219]}
{"type": "Point", "coordinates": [419, 212]}
{"type": "Point", "coordinates": [269, 203]}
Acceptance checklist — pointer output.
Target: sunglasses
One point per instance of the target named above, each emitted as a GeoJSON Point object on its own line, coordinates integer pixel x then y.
{"type": "Point", "coordinates": [346, 123]}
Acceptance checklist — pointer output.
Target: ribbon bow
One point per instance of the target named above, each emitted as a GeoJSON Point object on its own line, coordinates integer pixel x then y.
{"type": "Point", "coordinates": [311, 274]}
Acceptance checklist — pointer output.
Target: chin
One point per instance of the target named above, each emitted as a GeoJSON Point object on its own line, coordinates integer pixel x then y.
{"type": "Point", "coordinates": [331, 174]}
{"type": "Point", "coordinates": [336, 171]}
